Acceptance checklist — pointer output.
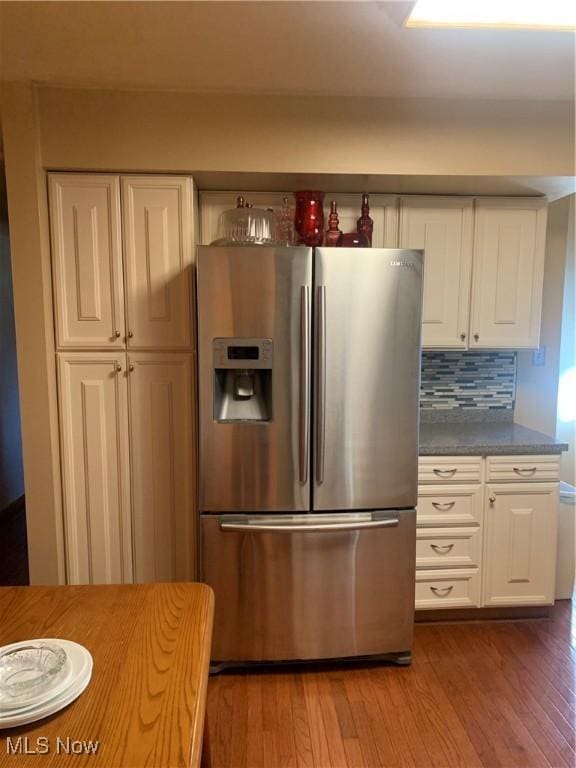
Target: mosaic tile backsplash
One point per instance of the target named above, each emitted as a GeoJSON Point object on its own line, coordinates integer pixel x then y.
{"type": "Point", "coordinates": [468, 381]}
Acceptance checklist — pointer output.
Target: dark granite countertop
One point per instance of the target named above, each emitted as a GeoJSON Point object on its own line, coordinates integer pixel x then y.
{"type": "Point", "coordinates": [484, 439]}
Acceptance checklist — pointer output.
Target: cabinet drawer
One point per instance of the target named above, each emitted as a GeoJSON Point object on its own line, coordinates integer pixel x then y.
{"type": "Point", "coordinates": [449, 505]}
{"type": "Point", "coordinates": [457, 588]}
{"type": "Point", "coordinates": [515, 468]}
{"type": "Point", "coordinates": [448, 547]}
{"type": "Point", "coordinates": [449, 469]}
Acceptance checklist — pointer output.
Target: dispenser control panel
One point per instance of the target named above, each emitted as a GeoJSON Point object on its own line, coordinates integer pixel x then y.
{"type": "Point", "coordinates": [242, 353]}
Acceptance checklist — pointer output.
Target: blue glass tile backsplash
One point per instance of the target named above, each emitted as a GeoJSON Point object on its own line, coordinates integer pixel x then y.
{"type": "Point", "coordinates": [468, 381]}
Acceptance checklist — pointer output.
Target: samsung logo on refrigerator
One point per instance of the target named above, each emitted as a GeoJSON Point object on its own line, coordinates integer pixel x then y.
{"type": "Point", "coordinates": [403, 264]}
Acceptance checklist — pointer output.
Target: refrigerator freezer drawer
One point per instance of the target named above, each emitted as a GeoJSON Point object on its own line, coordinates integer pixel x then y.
{"type": "Point", "coordinates": [292, 587]}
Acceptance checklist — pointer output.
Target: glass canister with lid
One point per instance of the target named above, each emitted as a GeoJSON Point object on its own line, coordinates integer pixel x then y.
{"type": "Point", "coordinates": [245, 225]}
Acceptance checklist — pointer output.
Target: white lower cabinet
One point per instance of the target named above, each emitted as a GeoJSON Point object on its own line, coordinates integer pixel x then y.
{"type": "Point", "coordinates": [95, 467]}
{"type": "Point", "coordinates": [450, 505]}
{"type": "Point", "coordinates": [486, 544]}
{"type": "Point", "coordinates": [520, 549]}
{"type": "Point", "coordinates": [454, 588]}
{"type": "Point", "coordinates": [128, 466]}
{"type": "Point", "coordinates": [160, 386]}
{"type": "Point", "coordinates": [448, 547]}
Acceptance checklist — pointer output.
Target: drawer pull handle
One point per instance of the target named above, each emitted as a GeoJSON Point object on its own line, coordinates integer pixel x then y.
{"type": "Point", "coordinates": [442, 549]}
{"type": "Point", "coordinates": [445, 472]}
{"type": "Point", "coordinates": [443, 506]}
{"type": "Point", "coordinates": [523, 471]}
{"type": "Point", "coordinates": [442, 591]}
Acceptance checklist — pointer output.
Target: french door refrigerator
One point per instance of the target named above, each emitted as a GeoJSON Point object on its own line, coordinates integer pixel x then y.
{"type": "Point", "coordinates": [309, 370]}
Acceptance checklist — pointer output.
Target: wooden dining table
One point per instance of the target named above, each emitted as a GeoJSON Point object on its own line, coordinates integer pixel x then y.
{"type": "Point", "coordinates": [146, 702]}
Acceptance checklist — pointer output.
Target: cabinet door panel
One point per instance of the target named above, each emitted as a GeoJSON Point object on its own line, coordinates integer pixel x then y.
{"type": "Point", "coordinates": [508, 273]}
{"type": "Point", "coordinates": [520, 551]}
{"type": "Point", "coordinates": [87, 260]}
{"type": "Point", "coordinates": [161, 397]}
{"type": "Point", "coordinates": [94, 434]}
{"type": "Point", "coordinates": [159, 245]}
{"type": "Point", "coordinates": [443, 227]}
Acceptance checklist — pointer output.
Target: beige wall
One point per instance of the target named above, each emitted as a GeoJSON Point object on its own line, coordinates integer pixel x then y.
{"type": "Point", "coordinates": [537, 386]}
{"type": "Point", "coordinates": [106, 130]}
{"type": "Point", "coordinates": [566, 431]}
{"type": "Point", "coordinates": [27, 211]}
{"type": "Point", "coordinates": [136, 131]}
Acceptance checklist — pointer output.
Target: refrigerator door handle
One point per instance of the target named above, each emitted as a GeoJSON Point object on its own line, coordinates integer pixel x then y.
{"type": "Point", "coordinates": [288, 527]}
{"type": "Point", "coordinates": [304, 426]}
{"type": "Point", "coordinates": [321, 383]}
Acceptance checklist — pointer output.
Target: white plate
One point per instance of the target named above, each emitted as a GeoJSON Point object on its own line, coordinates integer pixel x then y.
{"type": "Point", "coordinates": [48, 708]}
{"type": "Point", "coordinates": [78, 665]}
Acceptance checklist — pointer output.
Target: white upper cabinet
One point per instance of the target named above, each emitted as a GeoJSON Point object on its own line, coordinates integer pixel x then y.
{"type": "Point", "coordinates": [95, 467]}
{"type": "Point", "coordinates": [509, 249]}
{"type": "Point", "coordinates": [87, 260]}
{"type": "Point", "coordinates": [443, 226]}
{"type": "Point", "coordinates": [383, 211]}
{"type": "Point", "coordinates": [157, 218]}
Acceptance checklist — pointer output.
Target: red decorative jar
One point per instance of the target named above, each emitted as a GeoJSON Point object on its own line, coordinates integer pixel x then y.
{"type": "Point", "coordinates": [309, 217]}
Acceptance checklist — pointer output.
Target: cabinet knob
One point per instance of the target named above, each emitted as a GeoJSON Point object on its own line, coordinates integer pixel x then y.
{"type": "Point", "coordinates": [130, 334]}
{"type": "Point", "coordinates": [492, 500]}
{"type": "Point", "coordinates": [462, 337]}
{"type": "Point", "coordinates": [476, 337]}
{"type": "Point", "coordinates": [117, 334]}
{"type": "Point", "coordinates": [130, 367]}
{"type": "Point", "coordinates": [118, 368]}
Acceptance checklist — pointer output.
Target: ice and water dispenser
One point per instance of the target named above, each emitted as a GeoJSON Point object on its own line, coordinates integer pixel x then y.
{"type": "Point", "coordinates": [242, 379]}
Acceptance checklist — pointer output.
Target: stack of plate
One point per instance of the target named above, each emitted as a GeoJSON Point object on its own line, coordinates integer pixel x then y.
{"type": "Point", "coordinates": [39, 678]}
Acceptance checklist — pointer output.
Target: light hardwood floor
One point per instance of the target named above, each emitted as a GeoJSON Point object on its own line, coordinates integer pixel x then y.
{"type": "Point", "coordinates": [477, 694]}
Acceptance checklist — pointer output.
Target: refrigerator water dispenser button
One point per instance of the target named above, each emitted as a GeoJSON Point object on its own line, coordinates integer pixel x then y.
{"type": "Point", "coordinates": [243, 386]}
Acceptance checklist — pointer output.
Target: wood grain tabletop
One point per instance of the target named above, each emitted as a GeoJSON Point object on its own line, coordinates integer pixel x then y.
{"type": "Point", "coordinates": [146, 702]}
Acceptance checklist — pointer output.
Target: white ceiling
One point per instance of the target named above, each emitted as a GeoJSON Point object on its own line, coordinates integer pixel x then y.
{"type": "Point", "coordinates": [277, 47]}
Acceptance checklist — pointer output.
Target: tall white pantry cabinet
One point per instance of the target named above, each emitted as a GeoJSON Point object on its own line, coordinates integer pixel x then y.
{"type": "Point", "coordinates": [122, 254]}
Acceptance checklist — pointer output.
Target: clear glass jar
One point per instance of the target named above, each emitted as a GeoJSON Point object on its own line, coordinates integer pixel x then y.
{"type": "Point", "coordinates": [246, 225]}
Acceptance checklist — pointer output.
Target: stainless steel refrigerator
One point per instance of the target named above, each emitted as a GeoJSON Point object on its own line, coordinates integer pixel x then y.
{"type": "Point", "coordinates": [309, 370]}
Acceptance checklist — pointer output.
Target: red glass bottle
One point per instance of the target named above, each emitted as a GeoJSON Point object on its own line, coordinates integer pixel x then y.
{"type": "Point", "coordinates": [365, 225]}
{"type": "Point", "coordinates": [333, 233]}
{"type": "Point", "coordinates": [309, 217]}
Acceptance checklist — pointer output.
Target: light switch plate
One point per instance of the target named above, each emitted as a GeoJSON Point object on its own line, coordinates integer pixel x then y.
{"type": "Point", "coordinates": [539, 356]}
